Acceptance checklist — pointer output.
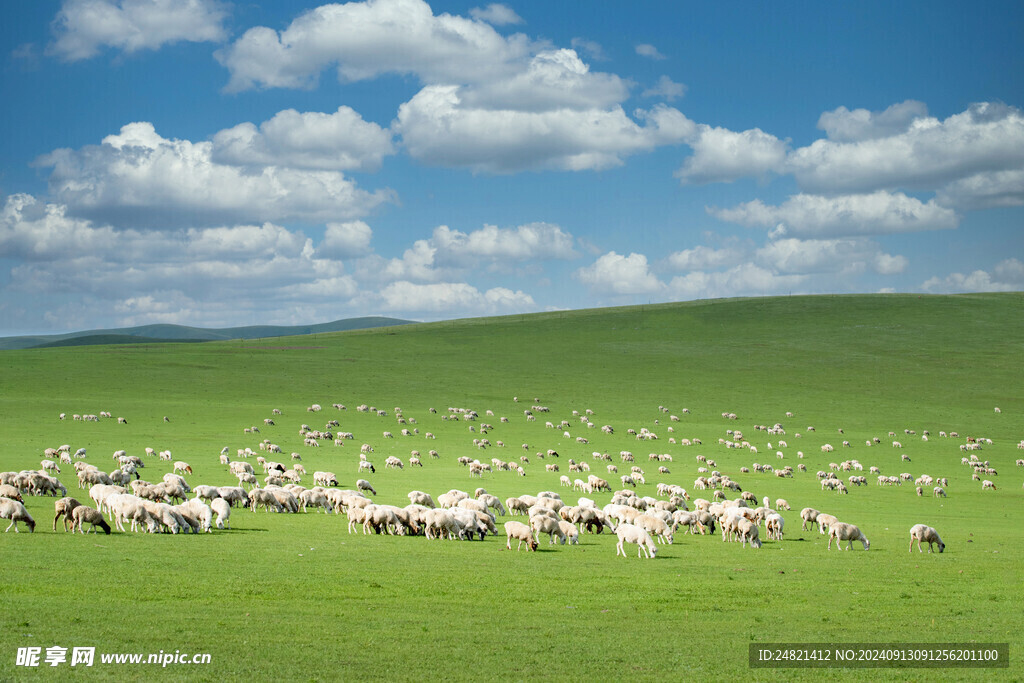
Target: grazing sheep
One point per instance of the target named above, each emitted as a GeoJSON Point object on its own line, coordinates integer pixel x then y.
{"type": "Point", "coordinates": [810, 517]}
{"type": "Point", "coordinates": [748, 532]}
{"type": "Point", "coordinates": [845, 532]}
{"type": "Point", "coordinates": [782, 504]}
{"type": "Point", "coordinates": [83, 514]}
{"type": "Point", "coordinates": [939, 492]}
{"type": "Point", "coordinates": [543, 524]}
{"type": "Point", "coordinates": [16, 512]}
{"type": "Point", "coordinates": [223, 510]}
{"type": "Point", "coordinates": [364, 485]}
{"type": "Point", "coordinates": [987, 485]}
{"type": "Point", "coordinates": [8, 491]}
{"type": "Point", "coordinates": [521, 533]}
{"type": "Point", "coordinates": [182, 466]}
{"type": "Point", "coordinates": [628, 533]}
{"type": "Point", "coordinates": [923, 532]}
{"type": "Point", "coordinates": [825, 522]}
{"type": "Point", "coordinates": [63, 508]}
{"type": "Point", "coordinates": [571, 535]}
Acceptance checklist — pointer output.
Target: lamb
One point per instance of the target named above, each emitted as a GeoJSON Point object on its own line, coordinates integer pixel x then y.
{"type": "Point", "coordinates": [987, 485]}
{"type": "Point", "coordinates": [628, 533]}
{"type": "Point", "coordinates": [939, 492]}
{"type": "Point", "coordinates": [84, 514]}
{"type": "Point", "coordinates": [265, 498]}
{"type": "Point", "coordinates": [520, 532]}
{"type": "Point", "coordinates": [207, 493]}
{"type": "Point", "coordinates": [63, 508]}
{"type": "Point", "coordinates": [492, 502]}
{"type": "Point", "coordinates": [773, 524]}
{"type": "Point", "coordinates": [182, 466]}
{"type": "Point", "coordinates": [421, 498]}
{"type": "Point", "coordinates": [922, 532]}
{"type": "Point", "coordinates": [782, 504]}
{"type": "Point", "coordinates": [364, 485]}
{"type": "Point", "coordinates": [846, 532]}
{"type": "Point", "coordinates": [223, 510]}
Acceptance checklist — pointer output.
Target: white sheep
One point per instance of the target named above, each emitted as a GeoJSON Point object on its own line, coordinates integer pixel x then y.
{"type": "Point", "coordinates": [520, 532]}
{"type": "Point", "coordinates": [628, 533]}
{"type": "Point", "coordinates": [83, 514]}
{"type": "Point", "coordinates": [923, 532]}
{"type": "Point", "coordinates": [16, 512]}
{"type": "Point", "coordinates": [223, 510]}
{"type": "Point", "coordinates": [825, 521]}
{"type": "Point", "coordinates": [364, 485]}
{"type": "Point", "coordinates": [544, 524]}
{"type": "Point", "coordinates": [841, 531]}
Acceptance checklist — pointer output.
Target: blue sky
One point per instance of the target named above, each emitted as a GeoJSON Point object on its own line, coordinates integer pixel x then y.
{"type": "Point", "coordinates": [215, 164]}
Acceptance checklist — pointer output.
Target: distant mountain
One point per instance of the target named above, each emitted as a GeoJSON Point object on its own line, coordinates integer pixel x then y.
{"type": "Point", "coordinates": [153, 334]}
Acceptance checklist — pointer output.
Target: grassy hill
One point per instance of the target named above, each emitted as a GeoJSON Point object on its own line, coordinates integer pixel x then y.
{"type": "Point", "coordinates": [296, 595]}
{"type": "Point", "coordinates": [161, 333]}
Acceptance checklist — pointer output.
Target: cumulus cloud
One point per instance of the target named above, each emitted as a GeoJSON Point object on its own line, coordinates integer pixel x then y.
{"type": "Point", "coordinates": [449, 252]}
{"type": "Point", "coordinates": [666, 88]}
{"type": "Point", "coordinates": [1007, 276]}
{"type": "Point", "coordinates": [33, 231]}
{"type": "Point", "coordinates": [345, 240]}
{"type": "Point", "coordinates": [984, 190]}
{"type": "Point", "coordinates": [437, 128]}
{"type": "Point", "coordinates": [83, 27]}
{"type": "Point", "coordinates": [617, 274]}
{"type": "Point", "coordinates": [836, 256]}
{"type": "Point", "coordinates": [986, 138]}
{"type": "Point", "coordinates": [844, 125]}
{"type": "Point", "coordinates": [341, 141]}
{"type": "Point", "coordinates": [553, 79]}
{"type": "Point", "coordinates": [441, 297]}
{"type": "Point", "coordinates": [745, 279]}
{"type": "Point", "coordinates": [648, 50]}
{"type": "Point", "coordinates": [496, 14]}
{"type": "Point", "coordinates": [707, 258]}
{"type": "Point", "coordinates": [722, 155]}
{"type": "Point", "coordinates": [806, 215]}
{"type": "Point", "coordinates": [366, 39]}
{"type": "Point", "coordinates": [139, 178]}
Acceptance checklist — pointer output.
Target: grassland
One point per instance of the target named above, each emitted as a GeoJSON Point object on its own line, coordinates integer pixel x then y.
{"type": "Point", "coordinates": [296, 597]}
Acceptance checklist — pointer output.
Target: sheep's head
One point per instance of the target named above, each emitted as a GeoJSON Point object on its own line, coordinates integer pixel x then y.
{"type": "Point", "coordinates": [942, 546]}
{"type": "Point", "coordinates": [533, 544]}
{"type": "Point", "coordinates": [31, 524]}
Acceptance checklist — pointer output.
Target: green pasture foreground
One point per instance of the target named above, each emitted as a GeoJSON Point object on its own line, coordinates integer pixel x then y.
{"type": "Point", "coordinates": [289, 597]}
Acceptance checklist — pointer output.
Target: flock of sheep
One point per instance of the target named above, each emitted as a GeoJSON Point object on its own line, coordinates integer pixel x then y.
{"type": "Point", "coordinates": [122, 500]}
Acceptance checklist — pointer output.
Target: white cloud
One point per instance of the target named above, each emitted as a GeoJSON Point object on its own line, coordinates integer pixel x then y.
{"type": "Point", "coordinates": [438, 129]}
{"type": "Point", "coordinates": [345, 240]}
{"type": "Point", "coordinates": [140, 178]}
{"type": "Point", "coordinates": [82, 27]}
{"type": "Point", "coordinates": [722, 155]}
{"type": "Point", "coordinates": [590, 48]}
{"type": "Point", "coordinates": [496, 14]}
{"type": "Point", "coordinates": [805, 215]}
{"type": "Point", "coordinates": [340, 141]}
{"type": "Point", "coordinates": [843, 125]}
{"type": "Point", "coordinates": [33, 231]}
{"type": "Point", "coordinates": [366, 39]}
{"type": "Point", "coordinates": [439, 297]}
{"type": "Point", "coordinates": [836, 256]}
{"type": "Point", "coordinates": [648, 50]}
{"type": "Point", "coordinates": [450, 252]}
{"type": "Point", "coordinates": [540, 241]}
{"type": "Point", "coordinates": [746, 279]}
{"type": "Point", "coordinates": [614, 273]}
{"type": "Point", "coordinates": [987, 137]}
{"type": "Point", "coordinates": [667, 88]}
{"type": "Point", "coordinates": [1007, 276]}
{"type": "Point", "coordinates": [707, 258]}
{"type": "Point", "coordinates": [553, 79]}
{"type": "Point", "coordinates": [984, 190]}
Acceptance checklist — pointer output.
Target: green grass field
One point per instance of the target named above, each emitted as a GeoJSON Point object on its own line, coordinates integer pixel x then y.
{"type": "Point", "coordinates": [297, 597]}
